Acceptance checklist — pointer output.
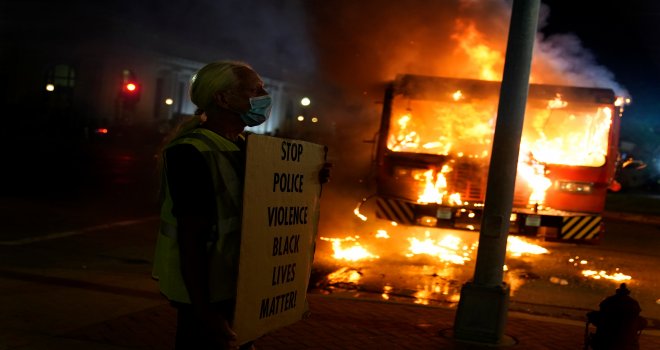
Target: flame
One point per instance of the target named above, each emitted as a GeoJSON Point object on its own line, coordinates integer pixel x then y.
{"type": "Point", "coordinates": [435, 190]}
{"type": "Point", "coordinates": [569, 137]}
{"type": "Point", "coordinates": [422, 296]}
{"type": "Point", "coordinates": [554, 132]}
{"type": "Point", "coordinates": [382, 234]}
{"type": "Point", "coordinates": [404, 139]}
{"type": "Point", "coordinates": [557, 102]}
{"type": "Point", "coordinates": [455, 199]}
{"type": "Point", "coordinates": [602, 274]}
{"type": "Point", "coordinates": [517, 247]}
{"type": "Point", "coordinates": [533, 173]}
{"type": "Point", "coordinates": [353, 253]}
{"type": "Point", "coordinates": [344, 275]}
{"type": "Point", "coordinates": [488, 61]}
{"type": "Point", "coordinates": [448, 249]}
{"type": "Point", "coordinates": [619, 101]}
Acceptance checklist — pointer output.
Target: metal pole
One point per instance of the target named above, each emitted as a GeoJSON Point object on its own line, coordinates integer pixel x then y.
{"type": "Point", "coordinates": [482, 310]}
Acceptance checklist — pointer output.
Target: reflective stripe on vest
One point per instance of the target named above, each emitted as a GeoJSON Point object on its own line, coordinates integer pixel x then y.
{"type": "Point", "coordinates": [223, 247]}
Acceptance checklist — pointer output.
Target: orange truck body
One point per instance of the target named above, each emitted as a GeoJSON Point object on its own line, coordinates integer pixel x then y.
{"type": "Point", "coordinates": [453, 135]}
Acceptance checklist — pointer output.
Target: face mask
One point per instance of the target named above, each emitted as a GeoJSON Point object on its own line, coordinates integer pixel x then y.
{"type": "Point", "coordinates": [259, 110]}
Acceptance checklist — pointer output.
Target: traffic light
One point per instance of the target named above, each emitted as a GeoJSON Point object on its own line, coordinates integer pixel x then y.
{"type": "Point", "coordinates": [130, 90]}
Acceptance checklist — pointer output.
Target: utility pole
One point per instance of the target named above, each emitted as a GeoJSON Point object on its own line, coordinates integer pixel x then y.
{"type": "Point", "coordinates": [483, 307]}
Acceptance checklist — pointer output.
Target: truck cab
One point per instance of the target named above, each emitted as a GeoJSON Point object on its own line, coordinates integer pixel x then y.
{"type": "Point", "coordinates": [433, 154]}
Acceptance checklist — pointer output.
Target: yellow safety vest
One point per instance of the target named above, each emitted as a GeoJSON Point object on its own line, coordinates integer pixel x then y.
{"type": "Point", "coordinates": [224, 248]}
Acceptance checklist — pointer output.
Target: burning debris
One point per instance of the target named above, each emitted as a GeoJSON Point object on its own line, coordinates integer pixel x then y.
{"type": "Point", "coordinates": [616, 276]}
{"type": "Point", "coordinates": [344, 275]}
{"type": "Point", "coordinates": [601, 274]}
{"type": "Point", "coordinates": [353, 253]}
{"type": "Point", "coordinates": [448, 249]}
{"type": "Point", "coordinates": [517, 246]}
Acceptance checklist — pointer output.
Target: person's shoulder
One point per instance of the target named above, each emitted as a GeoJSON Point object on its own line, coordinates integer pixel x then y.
{"type": "Point", "coordinates": [181, 151]}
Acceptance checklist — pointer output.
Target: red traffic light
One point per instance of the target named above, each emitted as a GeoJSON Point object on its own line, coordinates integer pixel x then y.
{"type": "Point", "coordinates": [130, 87]}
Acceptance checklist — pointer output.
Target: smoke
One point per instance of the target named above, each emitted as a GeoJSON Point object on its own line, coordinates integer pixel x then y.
{"type": "Point", "coordinates": [565, 61]}
{"type": "Point", "coordinates": [361, 45]}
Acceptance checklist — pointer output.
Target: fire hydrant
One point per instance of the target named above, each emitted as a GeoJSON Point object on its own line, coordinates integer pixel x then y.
{"type": "Point", "coordinates": [618, 323]}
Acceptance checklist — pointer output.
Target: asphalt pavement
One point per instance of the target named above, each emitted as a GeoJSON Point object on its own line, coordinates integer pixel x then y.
{"type": "Point", "coordinates": [334, 323]}
{"type": "Point", "coordinates": [137, 317]}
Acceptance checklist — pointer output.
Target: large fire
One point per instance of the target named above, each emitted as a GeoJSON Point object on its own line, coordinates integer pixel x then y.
{"type": "Point", "coordinates": [439, 257]}
{"type": "Point", "coordinates": [461, 127]}
{"type": "Point", "coordinates": [446, 248]}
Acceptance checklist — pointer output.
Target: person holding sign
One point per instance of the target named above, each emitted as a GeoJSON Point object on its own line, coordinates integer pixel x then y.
{"type": "Point", "coordinates": [203, 171]}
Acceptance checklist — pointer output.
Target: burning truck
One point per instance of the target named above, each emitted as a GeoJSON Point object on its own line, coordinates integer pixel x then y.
{"type": "Point", "coordinates": [433, 153]}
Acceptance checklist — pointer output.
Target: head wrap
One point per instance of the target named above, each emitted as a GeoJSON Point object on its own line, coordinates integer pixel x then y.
{"type": "Point", "coordinates": [212, 78]}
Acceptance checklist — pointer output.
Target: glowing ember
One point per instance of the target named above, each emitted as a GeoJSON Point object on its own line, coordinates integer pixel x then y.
{"type": "Point", "coordinates": [387, 289]}
{"type": "Point", "coordinates": [422, 296]}
{"type": "Point", "coordinates": [353, 253]}
{"type": "Point", "coordinates": [344, 275]}
{"type": "Point", "coordinates": [447, 249]}
{"type": "Point", "coordinates": [557, 280]}
{"type": "Point", "coordinates": [357, 213]}
{"type": "Point", "coordinates": [517, 247]}
{"type": "Point", "coordinates": [457, 95]}
{"type": "Point", "coordinates": [382, 234]}
{"type": "Point", "coordinates": [617, 276]}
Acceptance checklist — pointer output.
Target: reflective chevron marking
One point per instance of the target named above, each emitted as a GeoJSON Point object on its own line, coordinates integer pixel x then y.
{"type": "Point", "coordinates": [395, 210]}
{"type": "Point", "coordinates": [581, 227]}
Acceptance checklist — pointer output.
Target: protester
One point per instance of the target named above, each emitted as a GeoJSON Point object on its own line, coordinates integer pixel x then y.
{"type": "Point", "coordinates": [197, 251]}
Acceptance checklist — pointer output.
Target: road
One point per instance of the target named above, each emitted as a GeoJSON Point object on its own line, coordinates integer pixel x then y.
{"type": "Point", "coordinates": [65, 250]}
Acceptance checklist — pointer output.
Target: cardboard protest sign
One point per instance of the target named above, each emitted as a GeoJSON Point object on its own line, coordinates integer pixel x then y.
{"type": "Point", "coordinates": [280, 220]}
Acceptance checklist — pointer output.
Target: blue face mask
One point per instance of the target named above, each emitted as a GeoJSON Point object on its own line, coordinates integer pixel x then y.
{"type": "Point", "coordinates": [259, 110]}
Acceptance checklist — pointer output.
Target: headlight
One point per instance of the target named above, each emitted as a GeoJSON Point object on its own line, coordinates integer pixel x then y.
{"type": "Point", "coordinates": [576, 187]}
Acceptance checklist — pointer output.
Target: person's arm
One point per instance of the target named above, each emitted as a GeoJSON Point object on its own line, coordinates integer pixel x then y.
{"type": "Point", "coordinates": [193, 197]}
{"type": "Point", "coordinates": [191, 188]}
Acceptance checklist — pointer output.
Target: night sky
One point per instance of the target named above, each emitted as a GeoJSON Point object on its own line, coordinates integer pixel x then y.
{"type": "Point", "coordinates": [356, 45]}
{"type": "Point", "coordinates": [623, 36]}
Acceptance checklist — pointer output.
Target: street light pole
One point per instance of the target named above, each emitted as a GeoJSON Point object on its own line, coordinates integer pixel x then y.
{"type": "Point", "coordinates": [483, 307]}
